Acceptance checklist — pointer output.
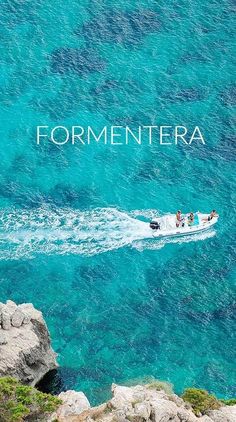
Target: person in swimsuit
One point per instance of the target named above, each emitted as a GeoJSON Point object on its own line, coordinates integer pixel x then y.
{"type": "Point", "coordinates": [212, 215]}
{"type": "Point", "coordinates": [179, 219]}
{"type": "Point", "coordinates": [190, 219]}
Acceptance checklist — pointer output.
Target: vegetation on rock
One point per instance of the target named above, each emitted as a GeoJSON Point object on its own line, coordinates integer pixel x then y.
{"type": "Point", "coordinates": [23, 403]}
{"type": "Point", "coordinates": [228, 402]}
{"type": "Point", "coordinates": [200, 400]}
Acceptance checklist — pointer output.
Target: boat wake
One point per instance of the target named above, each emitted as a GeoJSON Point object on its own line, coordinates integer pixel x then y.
{"type": "Point", "coordinates": [26, 233]}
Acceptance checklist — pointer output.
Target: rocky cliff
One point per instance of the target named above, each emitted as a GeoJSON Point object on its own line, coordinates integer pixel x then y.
{"type": "Point", "coordinates": [142, 403]}
{"type": "Point", "coordinates": [25, 348]}
{"type": "Point", "coordinates": [26, 354]}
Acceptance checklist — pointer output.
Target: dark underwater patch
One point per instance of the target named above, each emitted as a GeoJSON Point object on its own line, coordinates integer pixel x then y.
{"type": "Point", "coordinates": [232, 6]}
{"type": "Point", "coordinates": [61, 195]}
{"type": "Point", "coordinates": [64, 195]}
{"type": "Point", "coordinates": [15, 12]}
{"type": "Point", "coordinates": [200, 318]}
{"type": "Point", "coordinates": [225, 313]}
{"type": "Point", "coordinates": [199, 57]}
{"type": "Point", "coordinates": [81, 61]}
{"type": "Point", "coordinates": [225, 150]}
{"type": "Point", "coordinates": [184, 95]}
{"type": "Point", "coordinates": [26, 198]}
{"type": "Point", "coordinates": [21, 164]}
{"type": "Point", "coordinates": [88, 197]}
{"type": "Point", "coordinates": [49, 153]}
{"type": "Point", "coordinates": [105, 86]}
{"type": "Point", "coordinates": [228, 96]}
{"type": "Point", "coordinates": [120, 27]}
{"type": "Point", "coordinates": [146, 172]}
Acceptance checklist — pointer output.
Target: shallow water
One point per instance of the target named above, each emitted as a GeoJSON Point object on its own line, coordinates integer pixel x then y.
{"type": "Point", "coordinates": [120, 306]}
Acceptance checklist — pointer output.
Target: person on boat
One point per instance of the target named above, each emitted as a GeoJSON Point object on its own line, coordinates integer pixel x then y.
{"type": "Point", "coordinates": [212, 214]}
{"type": "Point", "coordinates": [191, 219]}
{"type": "Point", "coordinates": [179, 219]}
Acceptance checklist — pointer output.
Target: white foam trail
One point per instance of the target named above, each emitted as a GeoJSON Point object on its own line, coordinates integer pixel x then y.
{"type": "Point", "coordinates": [26, 233]}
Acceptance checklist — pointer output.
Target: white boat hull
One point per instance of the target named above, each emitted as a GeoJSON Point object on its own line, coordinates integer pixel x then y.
{"type": "Point", "coordinates": [168, 225]}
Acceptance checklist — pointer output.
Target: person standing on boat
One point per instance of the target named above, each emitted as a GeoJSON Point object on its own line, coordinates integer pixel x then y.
{"type": "Point", "coordinates": [179, 219]}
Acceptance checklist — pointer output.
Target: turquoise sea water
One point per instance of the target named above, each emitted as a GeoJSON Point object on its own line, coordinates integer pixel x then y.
{"type": "Point", "coordinates": [119, 306]}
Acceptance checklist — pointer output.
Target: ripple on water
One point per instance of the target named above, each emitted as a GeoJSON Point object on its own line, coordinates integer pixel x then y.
{"type": "Point", "coordinates": [228, 96]}
{"type": "Point", "coordinates": [120, 27]}
{"type": "Point", "coordinates": [81, 61]}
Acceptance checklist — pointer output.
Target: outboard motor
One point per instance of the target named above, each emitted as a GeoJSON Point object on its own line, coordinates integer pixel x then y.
{"type": "Point", "coordinates": [155, 225]}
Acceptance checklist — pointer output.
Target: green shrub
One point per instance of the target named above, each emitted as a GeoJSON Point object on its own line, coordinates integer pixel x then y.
{"type": "Point", "coordinates": [228, 402]}
{"type": "Point", "coordinates": [21, 403]}
{"type": "Point", "coordinates": [200, 400]}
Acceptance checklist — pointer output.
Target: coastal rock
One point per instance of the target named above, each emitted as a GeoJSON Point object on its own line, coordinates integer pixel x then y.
{"type": "Point", "coordinates": [141, 403]}
{"type": "Point", "coordinates": [143, 410]}
{"type": "Point", "coordinates": [11, 306]}
{"type": "Point", "coordinates": [25, 348]}
{"type": "Point", "coordinates": [225, 413]}
{"type": "Point", "coordinates": [144, 403]}
{"type": "Point", "coordinates": [26, 354]}
{"type": "Point", "coordinates": [28, 310]}
{"type": "Point", "coordinates": [3, 339]}
{"type": "Point", "coordinates": [74, 403]}
{"type": "Point", "coordinates": [6, 319]}
{"type": "Point", "coordinates": [165, 410]}
{"type": "Point", "coordinates": [17, 318]}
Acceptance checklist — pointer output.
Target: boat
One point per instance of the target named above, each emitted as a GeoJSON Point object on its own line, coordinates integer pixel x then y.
{"type": "Point", "coordinates": [166, 225]}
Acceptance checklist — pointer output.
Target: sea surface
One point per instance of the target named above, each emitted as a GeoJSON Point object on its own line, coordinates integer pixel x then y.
{"type": "Point", "coordinates": [121, 307]}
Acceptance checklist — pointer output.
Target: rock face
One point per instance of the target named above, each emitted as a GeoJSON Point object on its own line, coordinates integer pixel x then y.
{"type": "Point", "coordinates": [74, 403]}
{"type": "Point", "coordinates": [141, 403]}
{"type": "Point", "coordinates": [26, 354]}
{"type": "Point", "coordinates": [25, 349]}
{"type": "Point", "coordinates": [226, 414]}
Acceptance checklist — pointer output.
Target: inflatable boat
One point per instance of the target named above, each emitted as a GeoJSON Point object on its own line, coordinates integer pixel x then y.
{"type": "Point", "coordinates": [166, 225]}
